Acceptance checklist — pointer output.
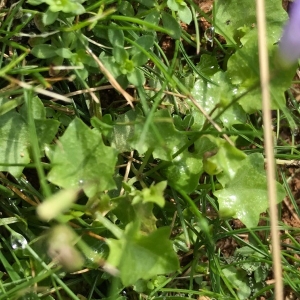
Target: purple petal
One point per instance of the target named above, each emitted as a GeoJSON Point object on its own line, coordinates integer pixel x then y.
{"type": "Point", "coordinates": [289, 46]}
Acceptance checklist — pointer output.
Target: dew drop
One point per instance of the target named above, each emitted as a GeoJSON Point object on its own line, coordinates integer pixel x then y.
{"type": "Point", "coordinates": [81, 182]}
{"type": "Point", "coordinates": [18, 241]}
{"type": "Point", "coordinates": [210, 34]}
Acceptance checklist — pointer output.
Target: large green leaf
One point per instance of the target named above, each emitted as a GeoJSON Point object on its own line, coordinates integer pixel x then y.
{"type": "Point", "coordinates": [245, 197]}
{"type": "Point", "coordinates": [211, 96]}
{"type": "Point", "coordinates": [185, 171]}
{"type": "Point", "coordinates": [162, 137]}
{"type": "Point", "coordinates": [14, 142]}
{"type": "Point", "coordinates": [123, 131]}
{"type": "Point", "coordinates": [46, 129]}
{"type": "Point", "coordinates": [226, 162]}
{"type": "Point", "coordinates": [234, 17]}
{"type": "Point", "coordinates": [243, 70]}
{"type": "Point", "coordinates": [81, 159]}
{"type": "Point", "coordinates": [142, 257]}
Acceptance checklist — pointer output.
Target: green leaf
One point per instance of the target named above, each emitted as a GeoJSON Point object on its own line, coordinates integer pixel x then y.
{"type": "Point", "coordinates": [208, 65]}
{"type": "Point", "coordinates": [46, 129]}
{"type": "Point", "coordinates": [142, 257]}
{"type": "Point", "coordinates": [81, 159]}
{"type": "Point", "coordinates": [173, 5]}
{"type": "Point", "coordinates": [14, 142]}
{"type": "Point", "coordinates": [185, 14]}
{"type": "Point", "coordinates": [163, 138]}
{"type": "Point", "coordinates": [172, 25]}
{"type": "Point", "coordinates": [64, 52]}
{"type": "Point", "coordinates": [211, 96]}
{"type": "Point", "coordinates": [139, 59]}
{"type": "Point", "coordinates": [68, 6]}
{"type": "Point", "coordinates": [239, 281]}
{"type": "Point", "coordinates": [49, 17]}
{"type": "Point", "coordinates": [44, 51]}
{"type": "Point", "coordinates": [126, 9]}
{"type": "Point", "coordinates": [120, 54]}
{"type": "Point", "coordinates": [185, 171]}
{"type": "Point", "coordinates": [228, 23]}
{"type": "Point", "coordinates": [153, 17]}
{"type": "Point", "coordinates": [115, 35]}
{"type": "Point", "coordinates": [227, 161]}
{"type": "Point", "coordinates": [243, 70]}
{"type": "Point", "coordinates": [153, 194]}
{"type": "Point", "coordinates": [145, 41]}
{"type": "Point", "coordinates": [136, 77]}
{"type": "Point", "coordinates": [245, 196]}
{"type": "Point", "coordinates": [123, 131]}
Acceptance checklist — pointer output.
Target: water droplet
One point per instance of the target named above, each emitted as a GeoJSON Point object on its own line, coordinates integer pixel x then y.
{"type": "Point", "coordinates": [18, 241]}
{"type": "Point", "coordinates": [295, 132]}
{"type": "Point", "coordinates": [210, 34]}
{"type": "Point", "coordinates": [81, 182]}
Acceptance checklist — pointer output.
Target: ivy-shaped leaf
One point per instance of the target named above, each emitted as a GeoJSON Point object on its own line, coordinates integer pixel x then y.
{"type": "Point", "coordinates": [46, 129]}
{"type": "Point", "coordinates": [185, 171]}
{"type": "Point", "coordinates": [230, 24]}
{"type": "Point", "coordinates": [211, 96]}
{"type": "Point", "coordinates": [245, 197]}
{"type": "Point", "coordinates": [81, 159]}
{"type": "Point", "coordinates": [14, 142]}
{"type": "Point", "coordinates": [162, 137]}
{"type": "Point", "coordinates": [123, 131]}
{"type": "Point", "coordinates": [142, 257]}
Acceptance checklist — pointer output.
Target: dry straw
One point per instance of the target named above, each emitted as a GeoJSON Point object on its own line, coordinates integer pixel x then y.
{"type": "Point", "coordinates": [265, 79]}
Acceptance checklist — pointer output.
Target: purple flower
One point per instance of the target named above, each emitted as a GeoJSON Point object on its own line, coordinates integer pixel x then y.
{"type": "Point", "coordinates": [289, 46]}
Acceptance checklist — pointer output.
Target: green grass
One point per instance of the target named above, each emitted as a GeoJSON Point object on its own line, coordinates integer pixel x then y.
{"type": "Point", "coordinates": [125, 166]}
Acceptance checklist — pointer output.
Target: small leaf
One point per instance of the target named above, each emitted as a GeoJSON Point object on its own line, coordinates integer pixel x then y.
{"type": "Point", "coordinates": [142, 257]}
{"type": "Point", "coordinates": [208, 65]}
{"type": "Point", "coordinates": [153, 194]}
{"type": "Point", "coordinates": [64, 52]}
{"type": "Point", "coordinates": [228, 160]}
{"type": "Point", "coordinates": [115, 35]}
{"type": "Point", "coordinates": [139, 59]}
{"type": "Point", "coordinates": [185, 14]}
{"type": "Point", "coordinates": [245, 197]}
{"type": "Point", "coordinates": [126, 9]}
{"type": "Point", "coordinates": [172, 25]}
{"type": "Point", "coordinates": [120, 54]}
{"type": "Point", "coordinates": [44, 51]}
{"type": "Point", "coordinates": [136, 77]}
{"type": "Point", "coordinates": [173, 5]}
{"type": "Point", "coordinates": [145, 41]}
{"type": "Point", "coordinates": [153, 17]}
{"type": "Point", "coordinates": [49, 17]}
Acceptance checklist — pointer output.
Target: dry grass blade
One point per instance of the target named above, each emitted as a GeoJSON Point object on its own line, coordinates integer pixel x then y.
{"type": "Point", "coordinates": [112, 80]}
{"type": "Point", "coordinates": [38, 90]}
{"type": "Point", "coordinates": [265, 78]}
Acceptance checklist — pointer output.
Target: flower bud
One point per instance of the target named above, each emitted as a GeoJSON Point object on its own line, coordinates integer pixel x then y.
{"type": "Point", "coordinates": [289, 46]}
